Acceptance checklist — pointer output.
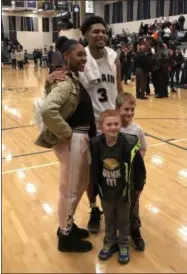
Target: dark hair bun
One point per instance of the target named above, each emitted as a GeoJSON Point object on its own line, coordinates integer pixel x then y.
{"type": "Point", "coordinates": [68, 45]}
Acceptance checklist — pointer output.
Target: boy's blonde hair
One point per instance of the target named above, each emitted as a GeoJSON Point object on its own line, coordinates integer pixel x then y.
{"type": "Point", "coordinates": [107, 113]}
{"type": "Point", "coordinates": [124, 97]}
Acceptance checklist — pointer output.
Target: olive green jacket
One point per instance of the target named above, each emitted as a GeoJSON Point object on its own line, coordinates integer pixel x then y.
{"type": "Point", "coordinates": [60, 103]}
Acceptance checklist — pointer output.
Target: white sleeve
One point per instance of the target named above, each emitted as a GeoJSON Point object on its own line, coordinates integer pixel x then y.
{"type": "Point", "coordinates": [143, 143]}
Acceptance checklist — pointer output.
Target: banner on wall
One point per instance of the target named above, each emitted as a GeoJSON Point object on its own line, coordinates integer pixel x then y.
{"type": "Point", "coordinates": [89, 7]}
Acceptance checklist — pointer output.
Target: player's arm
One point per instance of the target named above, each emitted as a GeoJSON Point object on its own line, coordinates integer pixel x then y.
{"type": "Point", "coordinates": [55, 76]}
{"type": "Point", "coordinates": [118, 75]}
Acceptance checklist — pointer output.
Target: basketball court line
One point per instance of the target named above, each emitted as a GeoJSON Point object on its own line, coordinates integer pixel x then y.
{"type": "Point", "coordinates": [28, 168]}
{"type": "Point", "coordinates": [161, 119]}
{"type": "Point", "coordinates": [179, 119]}
{"type": "Point", "coordinates": [15, 127]}
{"type": "Point", "coordinates": [55, 163]}
{"type": "Point", "coordinates": [167, 103]}
{"type": "Point", "coordinates": [28, 154]}
{"type": "Point", "coordinates": [165, 141]}
{"type": "Point", "coordinates": [169, 142]}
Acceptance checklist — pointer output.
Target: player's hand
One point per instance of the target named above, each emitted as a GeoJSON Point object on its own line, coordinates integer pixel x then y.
{"type": "Point", "coordinates": [56, 76]}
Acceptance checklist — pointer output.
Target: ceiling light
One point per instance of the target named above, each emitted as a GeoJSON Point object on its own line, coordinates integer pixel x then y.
{"type": "Point", "coordinates": [76, 9]}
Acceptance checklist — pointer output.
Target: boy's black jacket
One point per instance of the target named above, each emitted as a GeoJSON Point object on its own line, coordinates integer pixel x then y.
{"type": "Point", "coordinates": [129, 156]}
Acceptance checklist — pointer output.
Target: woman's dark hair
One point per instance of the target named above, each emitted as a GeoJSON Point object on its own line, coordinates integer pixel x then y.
{"type": "Point", "coordinates": [91, 20]}
{"type": "Point", "coordinates": [60, 42]}
{"type": "Point", "coordinates": [68, 45]}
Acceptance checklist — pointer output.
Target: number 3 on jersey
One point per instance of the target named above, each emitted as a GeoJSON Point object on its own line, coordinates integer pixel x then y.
{"type": "Point", "coordinates": [103, 95]}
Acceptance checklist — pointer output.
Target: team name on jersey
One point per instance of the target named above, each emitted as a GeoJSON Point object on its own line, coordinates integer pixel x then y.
{"type": "Point", "coordinates": [107, 78]}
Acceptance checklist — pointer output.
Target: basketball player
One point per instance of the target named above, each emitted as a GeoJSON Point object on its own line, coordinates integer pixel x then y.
{"type": "Point", "coordinates": [103, 91]}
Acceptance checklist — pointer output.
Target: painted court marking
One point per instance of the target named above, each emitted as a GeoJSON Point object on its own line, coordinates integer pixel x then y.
{"type": "Point", "coordinates": [55, 163]}
{"type": "Point", "coordinates": [172, 141]}
{"type": "Point", "coordinates": [30, 167]}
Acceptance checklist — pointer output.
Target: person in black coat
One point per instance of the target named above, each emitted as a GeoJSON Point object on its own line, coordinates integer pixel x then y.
{"type": "Point", "coordinates": [142, 69]}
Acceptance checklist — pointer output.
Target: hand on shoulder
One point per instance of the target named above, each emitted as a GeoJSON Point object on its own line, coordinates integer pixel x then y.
{"type": "Point", "coordinates": [56, 76]}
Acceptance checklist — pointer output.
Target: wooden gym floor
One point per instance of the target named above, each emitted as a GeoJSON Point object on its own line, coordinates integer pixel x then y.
{"type": "Point", "coordinates": [30, 188]}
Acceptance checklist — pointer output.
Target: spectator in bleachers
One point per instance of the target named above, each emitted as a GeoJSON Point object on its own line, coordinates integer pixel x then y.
{"type": "Point", "coordinates": [166, 35]}
{"type": "Point", "coordinates": [184, 53]}
{"type": "Point", "coordinates": [181, 21]}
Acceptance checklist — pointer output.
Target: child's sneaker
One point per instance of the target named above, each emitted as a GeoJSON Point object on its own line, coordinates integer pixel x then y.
{"type": "Point", "coordinates": [124, 257]}
{"type": "Point", "coordinates": [107, 251]}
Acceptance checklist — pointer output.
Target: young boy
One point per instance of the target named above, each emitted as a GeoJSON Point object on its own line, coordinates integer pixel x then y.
{"type": "Point", "coordinates": [126, 104]}
{"type": "Point", "coordinates": [115, 157]}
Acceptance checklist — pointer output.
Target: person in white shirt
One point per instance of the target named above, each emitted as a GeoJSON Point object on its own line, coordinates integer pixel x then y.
{"type": "Point", "coordinates": [13, 58]}
{"type": "Point", "coordinates": [126, 104]}
{"type": "Point", "coordinates": [20, 58]}
{"type": "Point", "coordinates": [184, 53]}
{"type": "Point", "coordinates": [166, 35]}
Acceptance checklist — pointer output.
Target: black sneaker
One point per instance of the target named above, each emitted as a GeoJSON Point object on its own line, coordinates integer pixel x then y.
{"type": "Point", "coordinates": [159, 96]}
{"type": "Point", "coordinates": [94, 222]}
{"type": "Point", "coordinates": [142, 98]}
{"type": "Point", "coordinates": [138, 240]}
{"type": "Point", "coordinates": [79, 233]}
{"type": "Point", "coordinates": [70, 243]}
{"type": "Point", "coordinates": [107, 251]}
